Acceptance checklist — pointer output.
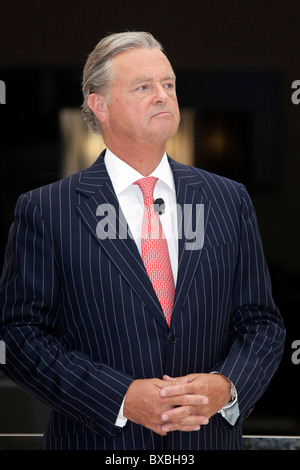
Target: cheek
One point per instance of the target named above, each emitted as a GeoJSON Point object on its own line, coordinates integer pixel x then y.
{"type": "Point", "coordinates": [120, 115]}
{"type": "Point", "coordinates": [131, 111]}
{"type": "Point", "coordinates": [137, 116]}
{"type": "Point", "coordinates": [176, 107]}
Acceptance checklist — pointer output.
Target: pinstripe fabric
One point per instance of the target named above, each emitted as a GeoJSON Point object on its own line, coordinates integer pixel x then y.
{"type": "Point", "coordinates": [80, 318]}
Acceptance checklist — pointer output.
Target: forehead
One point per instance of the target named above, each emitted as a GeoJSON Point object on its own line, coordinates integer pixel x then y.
{"type": "Point", "coordinates": [141, 62]}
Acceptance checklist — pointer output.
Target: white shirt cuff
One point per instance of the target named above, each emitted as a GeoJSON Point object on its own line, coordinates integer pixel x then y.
{"type": "Point", "coordinates": [121, 420]}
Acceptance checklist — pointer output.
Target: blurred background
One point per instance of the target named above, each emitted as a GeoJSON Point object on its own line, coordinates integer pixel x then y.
{"type": "Point", "coordinates": [235, 63]}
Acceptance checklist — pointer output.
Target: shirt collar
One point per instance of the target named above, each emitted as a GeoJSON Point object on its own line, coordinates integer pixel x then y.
{"type": "Point", "coordinates": [123, 175]}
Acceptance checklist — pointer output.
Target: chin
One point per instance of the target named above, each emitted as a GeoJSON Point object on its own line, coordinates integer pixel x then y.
{"type": "Point", "coordinates": [166, 132]}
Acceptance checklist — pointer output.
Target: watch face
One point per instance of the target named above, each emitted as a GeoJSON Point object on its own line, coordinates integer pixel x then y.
{"type": "Point", "coordinates": [232, 392]}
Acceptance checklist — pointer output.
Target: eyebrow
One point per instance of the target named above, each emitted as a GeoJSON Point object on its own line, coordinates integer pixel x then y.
{"type": "Point", "coordinates": [147, 79]}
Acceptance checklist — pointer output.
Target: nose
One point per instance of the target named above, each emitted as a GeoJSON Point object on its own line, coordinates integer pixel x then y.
{"type": "Point", "coordinates": [160, 95]}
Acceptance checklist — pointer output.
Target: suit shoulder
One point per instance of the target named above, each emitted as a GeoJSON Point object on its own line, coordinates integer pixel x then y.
{"type": "Point", "coordinates": [213, 179]}
{"type": "Point", "coordinates": [212, 182]}
{"type": "Point", "coordinates": [52, 189]}
{"type": "Point", "coordinates": [69, 183]}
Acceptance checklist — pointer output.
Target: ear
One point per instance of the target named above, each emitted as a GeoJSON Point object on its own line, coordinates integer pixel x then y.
{"type": "Point", "coordinates": [97, 103]}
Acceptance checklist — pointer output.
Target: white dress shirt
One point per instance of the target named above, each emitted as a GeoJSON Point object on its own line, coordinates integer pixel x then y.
{"type": "Point", "coordinates": [130, 199]}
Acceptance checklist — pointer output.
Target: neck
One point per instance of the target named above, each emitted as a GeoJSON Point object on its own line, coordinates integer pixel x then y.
{"type": "Point", "coordinates": [143, 158]}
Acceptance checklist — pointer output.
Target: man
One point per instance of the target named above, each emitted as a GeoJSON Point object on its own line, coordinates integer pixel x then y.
{"type": "Point", "coordinates": [82, 318]}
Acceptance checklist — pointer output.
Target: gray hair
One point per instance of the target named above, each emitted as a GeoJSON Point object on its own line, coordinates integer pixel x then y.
{"type": "Point", "coordinates": [98, 71]}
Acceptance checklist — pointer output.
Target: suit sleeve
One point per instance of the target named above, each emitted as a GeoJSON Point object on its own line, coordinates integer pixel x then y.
{"type": "Point", "coordinates": [257, 332]}
{"type": "Point", "coordinates": [30, 297]}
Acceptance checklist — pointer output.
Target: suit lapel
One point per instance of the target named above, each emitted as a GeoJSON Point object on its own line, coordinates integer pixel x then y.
{"type": "Point", "coordinates": [96, 186]}
{"type": "Point", "coordinates": [189, 194]}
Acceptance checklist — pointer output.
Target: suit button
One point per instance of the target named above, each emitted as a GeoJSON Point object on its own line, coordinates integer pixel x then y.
{"type": "Point", "coordinates": [172, 339]}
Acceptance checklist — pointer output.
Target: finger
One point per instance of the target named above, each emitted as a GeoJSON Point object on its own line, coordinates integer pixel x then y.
{"type": "Point", "coordinates": [158, 430]}
{"type": "Point", "coordinates": [184, 388]}
{"type": "Point", "coordinates": [174, 427]}
{"type": "Point", "coordinates": [167, 378]}
{"type": "Point", "coordinates": [174, 389]}
{"type": "Point", "coordinates": [193, 401]}
{"type": "Point", "coordinates": [191, 423]}
{"type": "Point", "coordinates": [177, 380]}
{"type": "Point", "coordinates": [180, 413]}
{"type": "Point", "coordinates": [172, 382]}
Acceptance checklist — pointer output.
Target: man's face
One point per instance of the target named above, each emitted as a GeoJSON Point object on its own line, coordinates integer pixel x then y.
{"type": "Point", "coordinates": [142, 105]}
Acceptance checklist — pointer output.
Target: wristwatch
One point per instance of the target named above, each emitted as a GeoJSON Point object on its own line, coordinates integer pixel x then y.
{"type": "Point", "coordinates": [232, 391]}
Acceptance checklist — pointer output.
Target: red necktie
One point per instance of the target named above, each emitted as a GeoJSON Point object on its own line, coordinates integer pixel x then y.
{"type": "Point", "coordinates": [155, 251]}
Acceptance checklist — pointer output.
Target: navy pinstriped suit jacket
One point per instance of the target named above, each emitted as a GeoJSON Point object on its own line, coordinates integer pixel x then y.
{"type": "Point", "coordinates": [80, 318]}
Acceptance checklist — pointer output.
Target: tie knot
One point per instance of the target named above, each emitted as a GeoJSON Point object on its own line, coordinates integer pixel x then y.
{"type": "Point", "coordinates": [147, 186]}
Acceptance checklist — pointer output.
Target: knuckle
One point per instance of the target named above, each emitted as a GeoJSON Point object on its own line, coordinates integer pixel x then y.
{"type": "Point", "coordinates": [184, 400]}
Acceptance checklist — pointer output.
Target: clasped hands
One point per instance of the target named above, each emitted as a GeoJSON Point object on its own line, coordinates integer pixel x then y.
{"type": "Point", "coordinates": [176, 404]}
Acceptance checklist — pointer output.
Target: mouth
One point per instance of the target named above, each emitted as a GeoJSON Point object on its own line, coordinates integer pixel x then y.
{"type": "Point", "coordinates": [162, 113]}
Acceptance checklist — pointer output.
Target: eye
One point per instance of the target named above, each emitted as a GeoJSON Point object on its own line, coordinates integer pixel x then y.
{"type": "Point", "coordinates": [169, 86]}
{"type": "Point", "coordinates": [143, 87]}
